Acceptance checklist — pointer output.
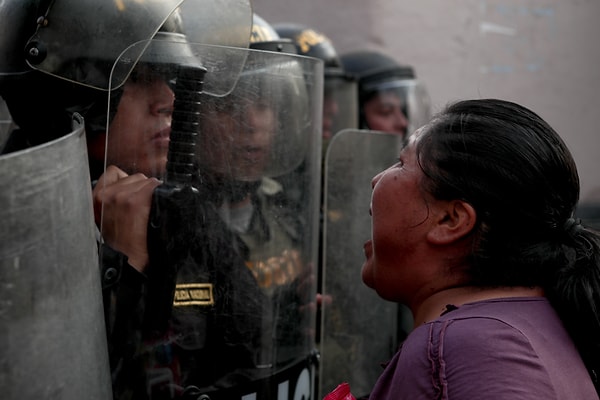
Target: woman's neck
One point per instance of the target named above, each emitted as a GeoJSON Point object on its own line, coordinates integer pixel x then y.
{"type": "Point", "coordinates": [435, 305]}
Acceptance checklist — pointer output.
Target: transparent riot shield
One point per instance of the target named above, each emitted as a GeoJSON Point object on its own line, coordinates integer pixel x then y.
{"type": "Point", "coordinates": [359, 329]}
{"type": "Point", "coordinates": [51, 319]}
{"type": "Point", "coordinates": [226, 304]}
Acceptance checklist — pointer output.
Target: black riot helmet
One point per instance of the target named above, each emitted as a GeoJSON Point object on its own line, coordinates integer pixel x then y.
{"type": "Point", "coordinates": [375, 70]}
{"type": "Point", "coordinates": [339, 100]}
{"type": "Point", "coordinates": [46, 75]}
{"type": "Point", "coordinates": [378, 73]}
{"type": "Point", "coordinates": [312, 43]}
{"type": "Point", "coordinates": [264, 37]}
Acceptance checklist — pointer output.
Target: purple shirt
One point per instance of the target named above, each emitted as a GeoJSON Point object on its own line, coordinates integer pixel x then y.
{"type": "Point", "coordinates": [511, 348]}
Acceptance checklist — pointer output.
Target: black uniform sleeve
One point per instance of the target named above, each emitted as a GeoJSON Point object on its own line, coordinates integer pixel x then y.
{"type": "Point", "coordinates": [122, 289]}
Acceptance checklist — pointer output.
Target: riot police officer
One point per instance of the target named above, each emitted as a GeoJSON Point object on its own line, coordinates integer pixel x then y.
{"type": "Point", "coordinates": [61, 83]}
{"type": "Point", "coordinates": [391, 98]}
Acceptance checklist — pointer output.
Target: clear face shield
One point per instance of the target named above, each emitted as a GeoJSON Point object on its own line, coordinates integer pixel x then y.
{"type": "Point", "coordinates": [234, 135]}
{"type": "Point", "coordinates": [88, 60]}
{"type": "Point", "coordinates": [260, 128]}
{"type": "Point", "coordinates": [396, 105]}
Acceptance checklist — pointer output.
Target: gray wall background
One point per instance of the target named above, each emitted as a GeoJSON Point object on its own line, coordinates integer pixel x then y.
{"type": "Point", "coordinates": [544, 54]}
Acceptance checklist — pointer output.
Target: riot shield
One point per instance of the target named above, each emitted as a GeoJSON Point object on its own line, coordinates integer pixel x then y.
{"type": "Point", "coordinates": [52, 326]}
{"type": "Point", "coordinates": [360, 330]}
{"type": "Point", "coordinates": [229, 291]}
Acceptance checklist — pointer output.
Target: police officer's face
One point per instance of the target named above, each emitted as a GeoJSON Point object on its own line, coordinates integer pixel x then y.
{"type": "Point", "coordinates": [138, 138]}
{"type": "Point", "coordinates": [383, 112]}
{"type": "Point", "coordinates": [236, 143]}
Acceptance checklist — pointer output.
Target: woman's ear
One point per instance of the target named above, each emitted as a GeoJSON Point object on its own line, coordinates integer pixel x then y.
{"type": "Point", "coordinates": [455, 220]}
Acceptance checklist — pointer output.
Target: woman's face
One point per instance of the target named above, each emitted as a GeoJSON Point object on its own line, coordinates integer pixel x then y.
{"type": "Point", "coordinates": [383, 112]}
{"type": "Point", "coordinates": [138, 139]}
{"type": "Point", "coordinates": [400, 219]}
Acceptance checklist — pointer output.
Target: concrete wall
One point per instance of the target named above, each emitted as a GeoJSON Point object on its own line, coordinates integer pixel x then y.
{"type": "Point", "coordinates": [544, 54]}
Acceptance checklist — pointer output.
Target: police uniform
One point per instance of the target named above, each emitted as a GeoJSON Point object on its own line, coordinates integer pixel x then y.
{"type": "Point", "coordinates": [191, 322]}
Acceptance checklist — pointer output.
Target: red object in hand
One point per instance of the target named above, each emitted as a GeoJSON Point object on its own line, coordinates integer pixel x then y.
{"type": "Point", "coordinates": [341, 392]}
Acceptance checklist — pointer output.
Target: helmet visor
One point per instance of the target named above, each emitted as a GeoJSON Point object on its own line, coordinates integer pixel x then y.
{"type": "Point", "coordinates": [104, 30]}
{"type": "Point", "coordinates": [411, 95]}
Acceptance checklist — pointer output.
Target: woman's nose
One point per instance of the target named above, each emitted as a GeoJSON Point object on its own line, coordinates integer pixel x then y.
{"type": "Point", "coordinates": [376, 179]}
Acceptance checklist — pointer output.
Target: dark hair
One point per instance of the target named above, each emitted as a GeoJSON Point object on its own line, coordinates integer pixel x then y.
{"type": "Point", "coordinates": [521, 179]}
